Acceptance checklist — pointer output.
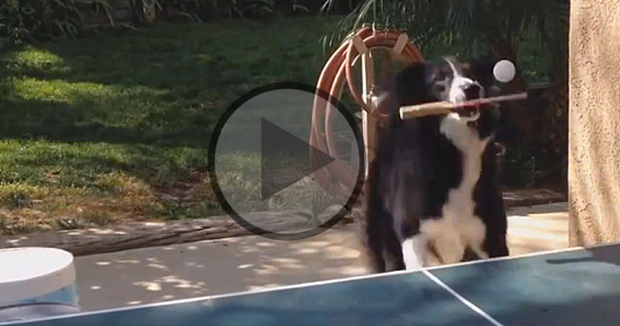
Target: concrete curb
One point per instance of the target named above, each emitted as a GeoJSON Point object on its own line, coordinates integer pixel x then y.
{"type": "Point", "coordinates": [136, 235]}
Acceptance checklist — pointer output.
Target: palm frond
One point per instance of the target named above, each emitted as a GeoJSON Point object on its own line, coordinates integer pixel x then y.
{"type": "Point", "coordinates": [475, 23]}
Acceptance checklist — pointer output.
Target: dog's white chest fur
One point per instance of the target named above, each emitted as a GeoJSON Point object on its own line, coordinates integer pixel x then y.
{"type": "Point", "coordinates": [458, 227]}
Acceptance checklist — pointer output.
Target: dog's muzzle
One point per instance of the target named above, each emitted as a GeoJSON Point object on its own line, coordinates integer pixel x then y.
{"type": "Point", "coordinates": [471, 92]}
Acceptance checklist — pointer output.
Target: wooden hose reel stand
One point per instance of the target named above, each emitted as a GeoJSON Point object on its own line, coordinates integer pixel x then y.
{"type": "Point", "coordinates": [339, 70]}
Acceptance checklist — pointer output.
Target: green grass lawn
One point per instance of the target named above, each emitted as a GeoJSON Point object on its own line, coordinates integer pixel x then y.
{"type": "Point", "coordinates": [115, 127]}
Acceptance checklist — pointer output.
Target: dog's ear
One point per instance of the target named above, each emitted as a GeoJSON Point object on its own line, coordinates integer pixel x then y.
{"type": "Point", "coordinates": [481, 69]}
{"type": "Point", "coordinates": [418, 83]}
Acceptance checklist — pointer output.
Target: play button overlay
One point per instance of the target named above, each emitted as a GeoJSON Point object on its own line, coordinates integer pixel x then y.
{"type": "Point", "coordinates": [272, 164]}
{"type": "Point", "coordinates": [260, 162]}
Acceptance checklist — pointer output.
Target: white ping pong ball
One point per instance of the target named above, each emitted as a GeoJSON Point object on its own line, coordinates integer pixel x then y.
{"type": "Point", "coordinates": [504, 71]}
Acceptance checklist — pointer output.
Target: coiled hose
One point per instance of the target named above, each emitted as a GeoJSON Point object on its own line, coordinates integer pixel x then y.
{"type": "Point", "coordinates": [338, 175]}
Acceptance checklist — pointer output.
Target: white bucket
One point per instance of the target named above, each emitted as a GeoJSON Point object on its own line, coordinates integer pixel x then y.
{"type": "Point", "coordinates": [34, 274]}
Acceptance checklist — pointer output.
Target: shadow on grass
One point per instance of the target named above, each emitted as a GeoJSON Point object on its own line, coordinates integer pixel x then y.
{"type": "Point", "coordinates": [165, 85]}
{"type": "Point", "coordinates": [68, 123]}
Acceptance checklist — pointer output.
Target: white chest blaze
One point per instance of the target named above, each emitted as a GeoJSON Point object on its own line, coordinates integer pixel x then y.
{"type": "Point", "coordinates": [458, 227]}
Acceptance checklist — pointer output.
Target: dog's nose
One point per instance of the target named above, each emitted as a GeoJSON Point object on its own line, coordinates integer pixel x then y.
{"type": "Point", "coordinates": [472, 91]}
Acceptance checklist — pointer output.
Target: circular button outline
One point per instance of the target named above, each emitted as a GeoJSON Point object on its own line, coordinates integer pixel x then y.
{"type": "Point", "coordinates": [350, 118]}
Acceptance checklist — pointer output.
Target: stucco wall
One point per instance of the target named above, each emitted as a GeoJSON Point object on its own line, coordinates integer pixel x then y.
{"type": "Point", "coordinates": [594, 122]}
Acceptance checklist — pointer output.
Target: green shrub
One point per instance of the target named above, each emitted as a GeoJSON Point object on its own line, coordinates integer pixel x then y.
{"type": "Point", "coordinates": [205, 10]}
{"type": "Point", "coordinates": [28, 21]}
{"type": "Point", "coordinates": [25, 21]}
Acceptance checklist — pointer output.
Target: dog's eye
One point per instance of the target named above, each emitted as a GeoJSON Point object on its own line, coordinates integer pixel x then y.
{"type": "Point", "coordinates": [439, 88]}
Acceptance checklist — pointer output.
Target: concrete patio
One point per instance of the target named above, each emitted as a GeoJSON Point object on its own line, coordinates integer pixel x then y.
{"type": "Point", "coordinates": [188, 270]}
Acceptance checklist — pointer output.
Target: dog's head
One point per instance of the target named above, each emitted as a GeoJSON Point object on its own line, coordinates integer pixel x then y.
{"type": "Point", "coordinates": [449, 80]}
{"type": "Point", "coordinates": [455, 81]}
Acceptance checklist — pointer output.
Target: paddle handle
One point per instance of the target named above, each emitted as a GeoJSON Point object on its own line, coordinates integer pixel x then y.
{"type": "Point", "coordinates": [444, 107]}
{"type": "Point", "coordinates": [422, 110]}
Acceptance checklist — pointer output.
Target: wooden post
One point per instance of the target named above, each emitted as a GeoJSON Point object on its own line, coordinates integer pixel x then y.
{"type": "Point", "coordinates": [369, 123]}
{"type": "Point", "coordinates": [594, 131]}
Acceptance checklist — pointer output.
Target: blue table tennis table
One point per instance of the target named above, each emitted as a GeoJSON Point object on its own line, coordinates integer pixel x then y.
{"type": "Point", "coordinates": [579, 286]}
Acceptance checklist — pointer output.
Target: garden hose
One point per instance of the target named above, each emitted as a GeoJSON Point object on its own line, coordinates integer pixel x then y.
{"type": "Point", "coordinates": [338, 175]}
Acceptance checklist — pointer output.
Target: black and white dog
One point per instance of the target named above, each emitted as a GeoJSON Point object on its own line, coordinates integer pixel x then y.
{"type": "Point", "coordinates": [431, 190]}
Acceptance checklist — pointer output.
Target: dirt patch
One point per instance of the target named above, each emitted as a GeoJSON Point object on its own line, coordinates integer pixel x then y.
{"type": "Point", "coordinates": [134, 235]}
